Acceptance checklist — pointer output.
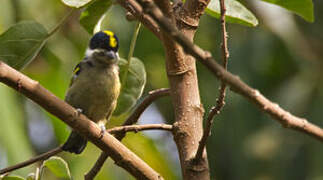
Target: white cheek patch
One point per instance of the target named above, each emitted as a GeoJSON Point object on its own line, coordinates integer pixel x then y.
{"type": "Point", "coordinates": [118, 57]}
{"type": "Point", "coordinates": [89, 52]}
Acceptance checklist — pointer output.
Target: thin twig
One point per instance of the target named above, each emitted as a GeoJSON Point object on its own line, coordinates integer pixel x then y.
{"type": "Point", "coordinates": [206, 133]}
{"type": "Point", "coordinates": [40, 157]}
{"type": "Point", "coordinates": [215, 110]}
{"type": "Point", "coordinates": [132, 119]}
{"type": "Point", "coordinates": [148, 100]}
{"type": "Point", "coordinates": [137, 128]}
{"type": "Point", "coordinates": [285, 118]}
{"type": "Point", "coordinates": [61, 22]}
{"type": "Point", "coordinates": [130, 54]}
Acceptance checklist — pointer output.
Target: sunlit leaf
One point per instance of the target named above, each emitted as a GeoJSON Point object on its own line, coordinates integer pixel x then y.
{"type": "Point", "coordinates": [134, 85]}
{"type": "Point", "coordinates": [58, 167]}
{"type": "Point", "coordinates": [12, 177]}
{"type": "Point", "coordinates": [303, 8]}
{"type": "Point", "coordinates": [93, 13]}
{"type": "Point", "coordinates": [21, 43]}
{"type": "Point", "coordinates": [76, 3]}
{"type": "Point", "coordinates": [146, 149]}
{"type": "Point", "coordinates": [236, 12]}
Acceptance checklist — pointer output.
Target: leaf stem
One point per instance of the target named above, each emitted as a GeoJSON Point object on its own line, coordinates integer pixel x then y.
{"type": "Point", "coordinates": [130, 54]}
{"type": "Point", "coordinates": [60, 23]}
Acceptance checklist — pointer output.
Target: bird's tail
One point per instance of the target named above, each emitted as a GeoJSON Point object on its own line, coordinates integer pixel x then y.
{"type": "Point", "coordinates": [75, 143]}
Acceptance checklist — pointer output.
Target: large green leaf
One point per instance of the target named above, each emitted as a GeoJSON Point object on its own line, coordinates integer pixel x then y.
{"type": "Point", "coordinates": [133, 85]}
{"type": "Point", "coordinates": [236, 12]}
{"type": "Point", "coordinates": [92, 14]}
{"type": "Point", "coordinates": [58, 167]}
{"type": "Point", "coordinates": [76, 3]}
{"type": "Point", "coordinates": [21, 43]}
{"type": "Point", "coordinates": [303, 8]}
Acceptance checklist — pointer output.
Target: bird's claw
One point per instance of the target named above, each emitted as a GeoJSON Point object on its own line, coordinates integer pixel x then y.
{"type": "Point", "coordinates": [102, 127]}
{"type": "Point", "coordinates": [78, 112]}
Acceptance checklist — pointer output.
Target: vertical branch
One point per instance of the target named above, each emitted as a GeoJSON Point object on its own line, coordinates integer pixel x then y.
{"type": "Point", "coordinates": [225, 55]}
{"type": "Point", "coordinates": [215, 110]}
{"type": "Point", "coordinates": [182, 76]}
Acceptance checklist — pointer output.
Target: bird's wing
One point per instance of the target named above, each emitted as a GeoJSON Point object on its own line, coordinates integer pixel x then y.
{"type": "Point", "coordinates": [76, 72]}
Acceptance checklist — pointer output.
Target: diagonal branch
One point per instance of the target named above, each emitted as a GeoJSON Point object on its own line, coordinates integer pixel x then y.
{"type": "Point", "coordinates": [120, 129]}
{"type": "Point", "coordinates": [119, 153]}
{"type": "Point", "coordinates": [135, 9]}
{"type": "Point", "coordinates": [282, 116]}
{"type": "Point", "coordinates": [132, 119]}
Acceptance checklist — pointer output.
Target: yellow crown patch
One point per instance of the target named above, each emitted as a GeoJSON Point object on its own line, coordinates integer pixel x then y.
{"type": "Point", "coordinates": [113, 40]}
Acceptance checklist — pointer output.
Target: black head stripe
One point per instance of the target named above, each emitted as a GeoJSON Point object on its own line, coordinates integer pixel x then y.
{"type": "Point", "coordinates": [104, 40]}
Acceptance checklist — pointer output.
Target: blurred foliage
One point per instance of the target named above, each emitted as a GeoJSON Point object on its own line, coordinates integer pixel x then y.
{"type": "Point", "coordinates": [245, 143]}
{"type": "Point", "coordinates": [304, 8]}
{"type": "Point", "coordinates": [235, 12]}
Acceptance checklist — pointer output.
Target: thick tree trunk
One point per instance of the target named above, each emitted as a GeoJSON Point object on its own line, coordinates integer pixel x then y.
{"type": "Point", "coordinates": [181, 71]}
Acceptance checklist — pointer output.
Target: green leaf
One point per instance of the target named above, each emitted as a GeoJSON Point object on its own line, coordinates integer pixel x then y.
{"type": "Point", "coordinates": [303, 8]}
{"type": "Point", "coordinates": [236, 12]}
{"type": "Point", "coordinates": [76, 3]}
{"type": "Point", "coordinates": [134, 85]}
{"type": "Point", "coordinates": [21, 43]}
{"type": "Point", "coordinates": [146, 149]}
{"type": "Point", "coordinates": [13, 177]}
{"type": "Point", "coordinates": [92, 14]}
{"type": "Point", "coordinates": [58, 167]}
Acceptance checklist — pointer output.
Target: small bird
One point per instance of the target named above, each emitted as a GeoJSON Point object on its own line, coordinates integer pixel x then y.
{"type": "Point", "coordinates": [95, 85]}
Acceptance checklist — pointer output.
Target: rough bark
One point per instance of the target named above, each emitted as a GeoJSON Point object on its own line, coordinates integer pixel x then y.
{"type": "Point", "coordinates": [181, 71]}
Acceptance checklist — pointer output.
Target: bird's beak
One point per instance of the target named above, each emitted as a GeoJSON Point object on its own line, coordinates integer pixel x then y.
{"type": "Point", "coordinates": [105, 56]}
{"type": "Point", "coordinates": [112, 55]}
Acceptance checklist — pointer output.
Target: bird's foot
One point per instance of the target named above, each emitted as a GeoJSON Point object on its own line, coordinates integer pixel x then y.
{"type": "Point", "coordinates": [102, 127]}
{"type": "Point", "coordinates": [78, 111]}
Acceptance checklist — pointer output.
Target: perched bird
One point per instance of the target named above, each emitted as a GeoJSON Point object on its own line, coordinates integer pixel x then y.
{"type": "Point", "coordinates": [95, 85]}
